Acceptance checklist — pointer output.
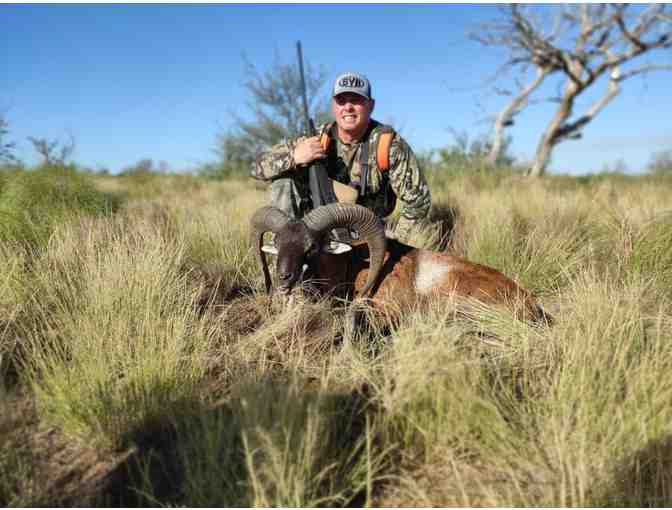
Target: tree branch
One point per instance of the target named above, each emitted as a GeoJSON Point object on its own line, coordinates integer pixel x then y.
{"type": "Point", "coordinates": [645, 69]}
{"type": "Point", "coordinates": [647, 19]}
{"type": "Point", "coordinates": [570, 129]}
{"type": "Point", "coordinates": [505, 117]}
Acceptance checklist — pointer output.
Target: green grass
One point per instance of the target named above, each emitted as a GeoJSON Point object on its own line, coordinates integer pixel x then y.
{"type": "Point", "coordinates": [144, 335]}
{"type": "Point", "coordinates": [117, 344]}
{"type": "Point", "coordinates": [281, 445]}
{"type": "Point", "coordinates": [17, 483]}
{"type": "Point", "coordinates": [33, 202]}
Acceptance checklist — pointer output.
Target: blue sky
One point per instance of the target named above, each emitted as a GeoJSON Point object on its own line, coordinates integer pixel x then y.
{"type": "Point", "coordinates": [159, 81]}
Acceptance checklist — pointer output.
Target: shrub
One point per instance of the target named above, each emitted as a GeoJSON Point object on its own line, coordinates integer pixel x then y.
{"type": "Point", "coordinates": [223, 171]}
{"type": "Point", "coordinates": [33, 202]}
{"type": "Point", "coordinates": [661, 163]}
{"type": "Point", "coordinates": [126, 343]}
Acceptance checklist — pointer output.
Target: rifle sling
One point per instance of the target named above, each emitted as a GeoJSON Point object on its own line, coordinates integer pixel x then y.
{"type": "Point", "coordinates": [364, 166]}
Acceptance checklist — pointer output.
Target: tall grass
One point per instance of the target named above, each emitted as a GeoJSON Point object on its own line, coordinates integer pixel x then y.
{"type": "Point", "coordinates": [607, 392]}
{"type": "Point", "coordinates": [33, 202]}
{"type": "Point", "coordinates": [148, 331]}
{"type": "Point", "coordinates": [17, 478]}
{"type": "Point", "coordinates": [117, 342]}
{"type": "Point", "coordinates": [279, 445]}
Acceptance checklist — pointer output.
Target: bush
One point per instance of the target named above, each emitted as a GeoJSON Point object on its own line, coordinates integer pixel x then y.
{"type": "Point", "coordinates": [33, 202]}
{"type": "Point", "coordinates": [222, 171]}
{"type": "Point", "coordinates": [105, 378]}
{"type": "Point", "coordinates": [661, 163]}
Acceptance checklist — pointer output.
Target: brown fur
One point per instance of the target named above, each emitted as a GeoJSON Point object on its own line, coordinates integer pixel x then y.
{"type": "Point", "coordinates": [396, 290]}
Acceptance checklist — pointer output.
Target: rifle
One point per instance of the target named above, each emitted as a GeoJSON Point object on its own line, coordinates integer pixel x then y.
{"type": "Point", "coordinates": [321, 186]}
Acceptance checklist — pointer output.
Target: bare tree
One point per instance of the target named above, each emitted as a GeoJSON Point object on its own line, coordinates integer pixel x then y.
{"type": "Point", "coordinates": [53, 152]}
{"type": "Point", "coordinates": [6, 148]}
{"type": "Point", "coordinates": [582, 43]}
{"type": "Point", "coordinates": [276, 110]}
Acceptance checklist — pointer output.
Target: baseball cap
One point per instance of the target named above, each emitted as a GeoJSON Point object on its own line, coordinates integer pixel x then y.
{"type": "Point", "coordinates": [352, 82]}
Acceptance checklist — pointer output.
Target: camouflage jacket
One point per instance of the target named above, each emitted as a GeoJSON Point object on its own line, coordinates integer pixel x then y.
{"type": "Point", "coordinates": [404, 181]}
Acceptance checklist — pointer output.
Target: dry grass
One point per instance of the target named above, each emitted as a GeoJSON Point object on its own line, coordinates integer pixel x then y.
{"type": "Point", "coordinates": [139, 350]}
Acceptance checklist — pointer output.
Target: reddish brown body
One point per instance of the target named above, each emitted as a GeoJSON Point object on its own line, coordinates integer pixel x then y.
{"type": "Point", "coordinates": [399, 277]}
{"type": "Point", "coordinates": [412, 275]}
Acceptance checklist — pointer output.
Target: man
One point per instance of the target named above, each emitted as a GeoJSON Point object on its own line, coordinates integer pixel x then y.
{"type": "Point", "coordinates": [352, 151]}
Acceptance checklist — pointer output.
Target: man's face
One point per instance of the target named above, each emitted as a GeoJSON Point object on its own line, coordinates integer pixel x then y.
{"type": "Point", "coordinates": [352, 112]}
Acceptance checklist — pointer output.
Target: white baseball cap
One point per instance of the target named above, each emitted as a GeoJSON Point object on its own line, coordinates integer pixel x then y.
{"type": "Point", "coordinates": [352, 82]}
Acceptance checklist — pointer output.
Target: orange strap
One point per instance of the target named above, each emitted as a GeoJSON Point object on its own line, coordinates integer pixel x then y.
{"type": "Point", "coordinates": [383, 152]}
{"type": "Point", "coordinates": [324, 140]}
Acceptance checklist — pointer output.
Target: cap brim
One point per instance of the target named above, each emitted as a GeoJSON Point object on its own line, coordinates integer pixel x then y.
{"type": "Point", "coordinates": [350, 91]}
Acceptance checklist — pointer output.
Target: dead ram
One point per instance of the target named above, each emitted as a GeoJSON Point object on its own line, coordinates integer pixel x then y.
{"type": "Point", "coordinates": [393, 275]}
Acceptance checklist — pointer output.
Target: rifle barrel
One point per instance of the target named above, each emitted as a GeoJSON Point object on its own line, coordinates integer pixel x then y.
{"type": "Point", "coordinates": [306, 116]}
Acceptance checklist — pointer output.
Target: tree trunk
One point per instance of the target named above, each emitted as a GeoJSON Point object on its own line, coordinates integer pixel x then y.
{"type": "Point", "coordinates": [506, 115]}
{"type": "Point", "coordinates": [552, 136]}
{"type": "Point", "coordinates": [542, 157]}
{"type": "Point", "coordinates": [497, 140]}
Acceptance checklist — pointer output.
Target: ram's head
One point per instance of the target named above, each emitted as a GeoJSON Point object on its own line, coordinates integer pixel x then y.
{"type": "Point", "coordinates": [299, 241]}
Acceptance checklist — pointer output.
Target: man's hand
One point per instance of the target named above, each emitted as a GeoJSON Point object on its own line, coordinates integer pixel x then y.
{"type": "Point", "coordinates": [308, 150]}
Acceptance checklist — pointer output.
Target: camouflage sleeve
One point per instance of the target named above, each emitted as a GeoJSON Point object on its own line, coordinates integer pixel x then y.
{"type": "Point", "coordinates": [279, 160]}
{"type": "Point", "coordinates": [409, 184]}
{"type": "Point", "coordinates": [275, 162]}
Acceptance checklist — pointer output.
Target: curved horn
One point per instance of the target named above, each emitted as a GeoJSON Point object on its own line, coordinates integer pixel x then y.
{"type": "Point", "coordinates": [355, 217]}
{"type": "Point", "coordinates": [266, 219]}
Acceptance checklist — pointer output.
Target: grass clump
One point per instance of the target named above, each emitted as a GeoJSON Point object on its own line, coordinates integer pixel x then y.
{"type": "Point", "coordinates": [606, 398]}
{"type": "Point", "coordinates": [12, 294]}
{"type": "Point", "coordinates": [651, 254]}
{"type": "Point", "coordinates": [17, 466]}
{"type": "Point", "coordinates": [118, 343]}
{"type": "Point", "coordinates": [305, 448]}
{"type": "Point", "coordinates": [451, 408]}
{"type": "Point", "coordinates": [272, 444]}
{"type": "Point", "coordinates": [16, 462]}
{"type": "Point", "coordinates": [33, 202]}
